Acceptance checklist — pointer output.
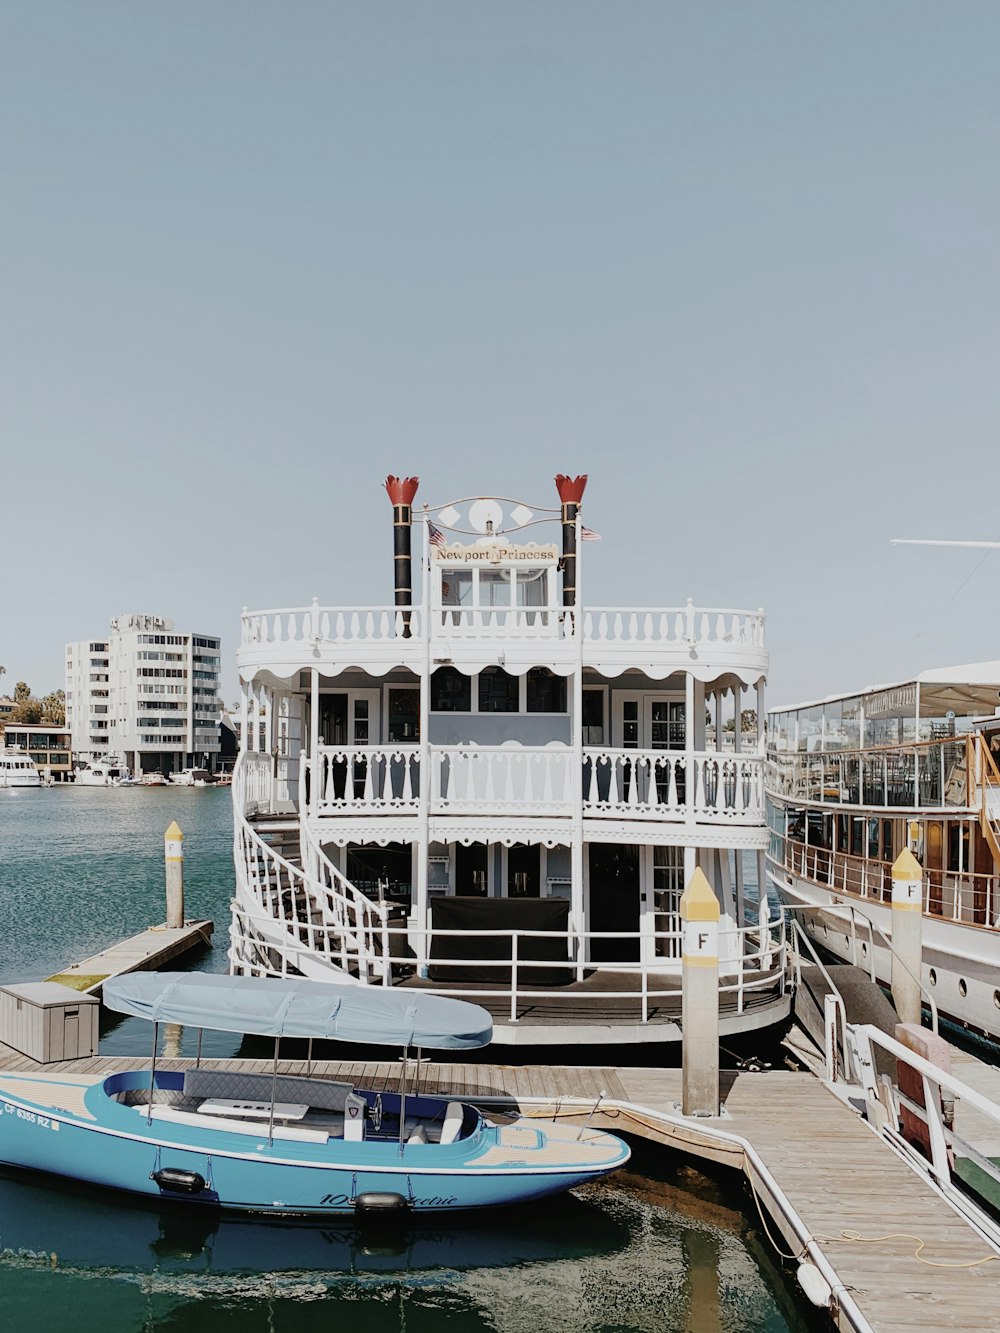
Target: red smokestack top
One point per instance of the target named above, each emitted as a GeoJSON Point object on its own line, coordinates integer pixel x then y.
{"type": "Point", "coordinates": [401, 490]}
{"type": "Point", "coordinates": [571, 489]}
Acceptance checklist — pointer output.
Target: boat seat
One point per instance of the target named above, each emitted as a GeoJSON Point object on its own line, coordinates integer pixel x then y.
{"type": "Point", "coordinates": [454, 1118]}
{"type": "Point", "coordinates": [255, 1128]}
{"type": "Point", "coordinates": [419, 1135]}
{"type": "Point", "coordinates": [232, 1085]}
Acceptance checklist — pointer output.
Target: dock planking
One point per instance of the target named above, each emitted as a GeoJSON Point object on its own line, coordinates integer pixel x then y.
{"type": "Point", "coordinates": [144, 952]}
{"type": "Point", "coordinates": [836, 1173]}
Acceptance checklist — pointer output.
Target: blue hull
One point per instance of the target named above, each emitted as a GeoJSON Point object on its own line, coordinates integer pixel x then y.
{"type": "Point", "coordinates": [112, 1145]}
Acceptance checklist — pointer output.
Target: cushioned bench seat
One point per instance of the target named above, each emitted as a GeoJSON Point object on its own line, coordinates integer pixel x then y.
{"type": "Point", "coordinates": [254, 1128]}
{"type": "Point", "coordinates": [232, 1085]}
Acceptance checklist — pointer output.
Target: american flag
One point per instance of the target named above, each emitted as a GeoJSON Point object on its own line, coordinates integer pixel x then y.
{"type": "Point", "coordinates": [434, 534]}
{"type": "Point", "coordinates": [588, 534]}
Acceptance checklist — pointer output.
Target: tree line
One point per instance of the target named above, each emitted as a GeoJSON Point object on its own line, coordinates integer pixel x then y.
{"type": "Point", "coordinates": [50, 711]}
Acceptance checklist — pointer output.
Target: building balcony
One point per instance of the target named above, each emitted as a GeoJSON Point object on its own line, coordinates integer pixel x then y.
{"type": "Point", "coordinates": [657, 786]}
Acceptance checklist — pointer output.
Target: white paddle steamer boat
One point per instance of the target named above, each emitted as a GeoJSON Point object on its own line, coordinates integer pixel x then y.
{"type": "Point", "coordinates": [496, 791]}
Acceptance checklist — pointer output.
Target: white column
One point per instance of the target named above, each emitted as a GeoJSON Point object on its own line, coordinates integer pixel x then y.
{"type": "Point", "coordinates": [577, 904]}
{"type": "Point", "coordinates": [420, 917]}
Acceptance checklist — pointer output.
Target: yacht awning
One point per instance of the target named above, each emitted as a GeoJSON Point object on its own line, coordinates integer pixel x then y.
{"type": "Point", "coordinates": [277, 1007]}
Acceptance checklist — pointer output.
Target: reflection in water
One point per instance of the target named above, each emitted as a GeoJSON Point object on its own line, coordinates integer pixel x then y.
{"type": "Point", "coordinates": [617, 1255]}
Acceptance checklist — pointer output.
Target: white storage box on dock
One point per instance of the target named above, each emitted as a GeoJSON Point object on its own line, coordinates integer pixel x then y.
{"type": "Point", "coordinates": [47, 1021]}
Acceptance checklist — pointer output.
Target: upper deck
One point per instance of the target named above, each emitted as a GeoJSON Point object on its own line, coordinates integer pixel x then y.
{"type": "Point", "coordinates": [705, 641]}
{"type": "Point", "coordinates": [904, 746]}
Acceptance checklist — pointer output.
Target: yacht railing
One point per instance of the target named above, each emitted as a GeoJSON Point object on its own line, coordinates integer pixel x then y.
{"type": "Point", "coordinates": [932, 775]}
{"type": "Point", "coordinates": [960, 896]}
{"type": "Point", "coordinates": [538, 780]}
{"type": "Point", "coordinates": [756, 965]}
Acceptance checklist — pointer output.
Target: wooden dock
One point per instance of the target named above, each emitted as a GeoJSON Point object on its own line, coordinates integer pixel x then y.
{"type": "Point", "coordinates": [815, 1168]}
{"type": "Point", "coordinates": [144, 952]}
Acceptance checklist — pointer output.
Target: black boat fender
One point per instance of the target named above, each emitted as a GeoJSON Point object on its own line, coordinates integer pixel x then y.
{"type": "Point", "coordinates": [377, 1202]}
{"type": "Point", "coordinates": [179, 1181]}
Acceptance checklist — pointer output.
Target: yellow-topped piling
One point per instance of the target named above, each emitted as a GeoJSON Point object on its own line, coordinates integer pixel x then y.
{"type": "Point", "coordinates": [907, 935]}
{"type": "Point", "coordinates": [173, 856]}
{"type": "Point", "coordinates": [700, 997]}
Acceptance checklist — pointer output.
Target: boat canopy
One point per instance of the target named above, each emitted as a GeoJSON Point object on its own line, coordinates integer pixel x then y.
{"type": "Point", "coordinates": [293, 1007]}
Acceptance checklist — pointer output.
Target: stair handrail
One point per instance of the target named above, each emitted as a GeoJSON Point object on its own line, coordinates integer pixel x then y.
{"type": "Point", "coordinates": [335, 890]}
{"type": "Point", "coordinates": [246, 841]}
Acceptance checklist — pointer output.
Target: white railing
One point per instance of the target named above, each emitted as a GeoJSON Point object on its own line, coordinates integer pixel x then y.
{"type": "Point", "coordinates": [255, 789]}
{"type": "Point", "coordinates": [689, 625]}
{"type": "Point", "coordinates": [477, 779]}
{"type": "Point", "coordinates": [918, 1110]}
{"type": "Point", "coordinates": [665, 784]}
{"type": "Point", "coordinates": [480, 779]}
{"type": "Point", "coordinates": [338, 624]}
{"type": "Point", "coordinates": [682, 626]}
{"type": "Point", "coordinates": [508, 622]}
{"type": "Point", "coordinates": [320, 914]}
{"type": "Point", "coordinates": [364, 779]}
{"type": "Point", "coordinates": [759, 970]}
{"type": "Point", "coordinates": [341, 905]}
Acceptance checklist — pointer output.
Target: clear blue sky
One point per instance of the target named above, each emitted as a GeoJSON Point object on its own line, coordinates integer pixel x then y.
{"type": "Point", "coordinates": [738, 261]}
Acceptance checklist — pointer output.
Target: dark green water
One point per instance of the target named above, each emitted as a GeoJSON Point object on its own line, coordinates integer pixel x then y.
{"type": "Point", "coordinates": [663, 1248]}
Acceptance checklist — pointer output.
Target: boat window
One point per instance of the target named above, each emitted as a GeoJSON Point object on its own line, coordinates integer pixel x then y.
{"type": "Point", "coordinates": [404, 715]}
{"type": "Point", "coordinates": [546, 691]}
{"type": "Point", "coordinates": [593, 717]}
{"type": "Point", "coordinates": [456, 587]}
{"type": "Point", "coordinates": [531, 587]}
{"type": "Point", "coordinates": [451, 691]}
{"type": "Point", "coordinates": [498, 691]}
{"type": "Point", "coordinates": [494, 587]}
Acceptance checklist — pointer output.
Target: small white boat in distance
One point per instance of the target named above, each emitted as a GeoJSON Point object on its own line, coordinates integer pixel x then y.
{"type": "Point", "coordinates": [102, 773]}
{"type": "Point", "coordinates": [192, 777]}
{"type": "Point", "coordinates": [17, 769]}
{"type": "Point", "coordinates": [153, 780]}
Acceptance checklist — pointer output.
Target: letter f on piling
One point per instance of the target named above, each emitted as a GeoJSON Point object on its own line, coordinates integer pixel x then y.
{"type": "Point", "coordinates": [700, 998]}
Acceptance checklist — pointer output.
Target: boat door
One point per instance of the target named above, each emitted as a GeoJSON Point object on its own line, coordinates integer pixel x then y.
{"type": "Point", "coordinates": [348, 719]}
{"type": "Point", "coordinates": [614, 900]}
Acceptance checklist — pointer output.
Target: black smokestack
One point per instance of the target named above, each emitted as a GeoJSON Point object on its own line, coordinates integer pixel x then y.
{"type": "Point", "coordinates": [570, 494]}
{"type": "Point", "coordinates": [401, 491]}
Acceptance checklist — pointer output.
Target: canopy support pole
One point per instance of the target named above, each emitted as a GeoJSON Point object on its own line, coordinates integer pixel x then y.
{"type": "Point", "coordinates": [274, 1089]}
{"type": "Point", "coordinates": [152, 1072]}
{"type": "Point", "coordinates": [197, 1055]}
{"type": "Point", "coordinates": [402, 1097]}
{"type": "Point", "coordinates": [309, 1057]}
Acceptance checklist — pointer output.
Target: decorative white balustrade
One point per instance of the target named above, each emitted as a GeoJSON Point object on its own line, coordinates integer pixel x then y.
{"type": "Point", "coordinates": [365, 779]}
{"type": "Point", "coordinates": [506, 622]}
{"type": "Point", "coordinates": [529, 780]}
{"type": "Point", "coordinates": [481, 780]}
{"type": "Point", "coordinates": [668, 784]}
{"type": "Point", "coordinates": [332, 624]}
{"type": "Point", "coordinates": [257, 771]}
{"type": "Point", "coordinates": [688, 625]}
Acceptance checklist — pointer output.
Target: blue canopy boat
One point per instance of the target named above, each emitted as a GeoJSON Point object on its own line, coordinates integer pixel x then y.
{"type": "Point", "coordinates": [281, 1144]}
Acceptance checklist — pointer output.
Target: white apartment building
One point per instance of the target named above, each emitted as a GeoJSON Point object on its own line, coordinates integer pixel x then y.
{"type": "Point", "coordinates": [147, 694]}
